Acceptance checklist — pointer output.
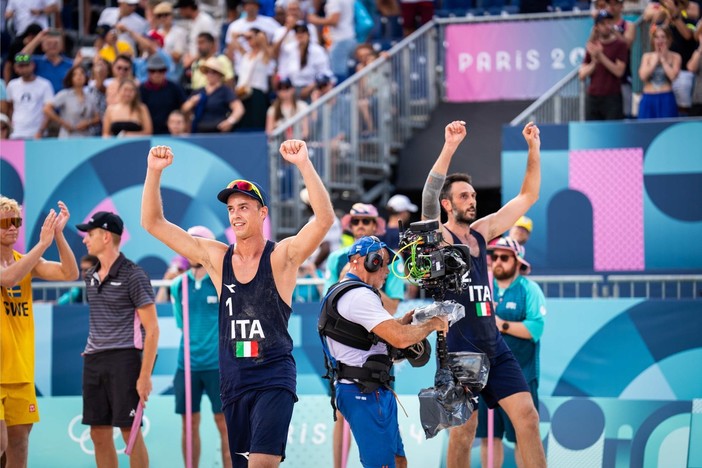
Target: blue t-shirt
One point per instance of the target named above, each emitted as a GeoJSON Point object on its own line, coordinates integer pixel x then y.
{"type": "Point", "coordinates": [255, 348]}
{"type": "Point", "coordinates": [53, 73]}
{"type": "Point", "coordinates": [215, 109]}
{"type": "Point", "coordinates": [477, 331]}
{"type": "Point", "coordinates": [203, 313]}
{"type": "Point", "coordinates": [523, 301]}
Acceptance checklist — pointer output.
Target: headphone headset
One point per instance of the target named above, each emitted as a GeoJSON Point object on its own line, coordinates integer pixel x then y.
{"type": "Point", "coordinates": [374, 260]}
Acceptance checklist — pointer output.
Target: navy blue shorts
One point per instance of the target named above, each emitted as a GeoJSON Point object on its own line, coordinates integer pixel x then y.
{"type": "Point", "coordinates": [200, 382]}
{"type": "Point", "coordinates": [505, 379]}
{"type": "Point", "coordinates": [502, 425]}
{"type": "Point", "coordinates": [258, 422]}
{"type": "Point", "coordinates": [373, 421]}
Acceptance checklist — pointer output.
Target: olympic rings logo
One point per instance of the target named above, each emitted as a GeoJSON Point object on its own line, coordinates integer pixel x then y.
{"type": "Point", "coordinates": [83, 438]}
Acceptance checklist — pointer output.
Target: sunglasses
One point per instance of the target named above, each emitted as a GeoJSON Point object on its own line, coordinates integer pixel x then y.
{"type": "Point", "coordinates": [7, 222]}
{"type": "Point", "coordinates": [248, 38]}
{"type": "Point", "coordinates": [365, 221]}
{"type": "Point", "coordinates": [501, 257]}
{"type": "Point", "coordinates": [246, 186]}
{"type": "Point", "coordinates": [163, 70]}
{"type": "Point", "coordinates": [23, 58]}
{"type": "Point", "coordinates": [123, 68]}
{"type": "Point", "coordinates": [163, 15]}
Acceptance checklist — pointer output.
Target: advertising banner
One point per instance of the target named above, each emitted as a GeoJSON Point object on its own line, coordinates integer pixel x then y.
{"type": "Point", "coordinates": [511, 60]}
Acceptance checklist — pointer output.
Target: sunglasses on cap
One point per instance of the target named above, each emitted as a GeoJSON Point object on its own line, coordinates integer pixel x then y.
{"type": "Point", "coordinates": [246, 186]}
{"type": "Point", "coordinates": [7, 222]}
{"type": "Point", "coordinates": [23, 59]}
{"type": "Point", "coordinates": [365, 221]}
{"type": "Point", "coordinates": [501, 257]}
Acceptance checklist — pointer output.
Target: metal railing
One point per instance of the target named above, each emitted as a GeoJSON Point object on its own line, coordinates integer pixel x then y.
{"type": "Point", "coordinates": [565, 102]}
{"type": "Point", "coordinates": [354, 130]}
{"type": "Point", "coordinates": [684, 286]}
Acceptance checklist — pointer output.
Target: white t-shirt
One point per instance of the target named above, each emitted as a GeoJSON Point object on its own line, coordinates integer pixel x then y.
{"type": "Point", "coordinates": [133, 22]}
{"type": "Point", "coordinates": [361, 306]}
{"type": "Point", "coordinates": [289, 64]}
{"type": "Point", "coordinates": [254, 72]}
{"type": "Point", "coordinates": [176, 40]}
{"type": "Point", "coordinates": [345, 28]}
{"type": "Point", "coordinates": [22, 15]}
{"type": "Point", "coordinates": [290, 38]}
{"type": "Point", "coordinates": [265, 23]}
{"type": "Point", "coordinates": [202, 23]}
{"type": "Point", "coordinates": [28, 99]}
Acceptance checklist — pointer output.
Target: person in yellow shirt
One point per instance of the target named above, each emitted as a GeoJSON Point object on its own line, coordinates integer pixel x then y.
{"type": "Point", "coordinates": [18, 400]}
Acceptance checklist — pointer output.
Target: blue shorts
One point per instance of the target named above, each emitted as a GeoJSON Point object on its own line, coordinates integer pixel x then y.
{"type": "Point", "coordinates": [258, 422]}
{"type": "Point", "coordinates": [502, 425]}
{"type": "Point", "coordinates": [373, 421]}
{"type": "Point", "coordinates": [505, 379]}
{"type": "Point", "coordinates": [200, 382]}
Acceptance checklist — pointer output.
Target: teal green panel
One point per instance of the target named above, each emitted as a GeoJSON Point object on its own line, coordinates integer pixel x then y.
{"type": "Point", "coordinates": [676, 150]}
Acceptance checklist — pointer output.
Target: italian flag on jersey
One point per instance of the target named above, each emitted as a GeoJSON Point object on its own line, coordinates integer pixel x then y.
{"type": "Point", "coordinates": [246, 349]}
{"type": "Point", "coordinates": [483, 309]}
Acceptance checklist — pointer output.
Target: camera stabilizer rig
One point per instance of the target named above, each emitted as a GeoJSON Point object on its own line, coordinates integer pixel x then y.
{"type": "Point", "coordinates": [438, 268]}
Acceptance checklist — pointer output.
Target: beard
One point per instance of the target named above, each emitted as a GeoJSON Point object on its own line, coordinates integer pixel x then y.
{"type": "Point", "coordinates": [501, 273]}
{"type": "Point", "coordinates": [462, 217]}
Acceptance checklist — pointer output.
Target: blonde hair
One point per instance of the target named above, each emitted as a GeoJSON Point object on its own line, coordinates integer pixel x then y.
{"type": "Point", "coordinates": [8, 204]}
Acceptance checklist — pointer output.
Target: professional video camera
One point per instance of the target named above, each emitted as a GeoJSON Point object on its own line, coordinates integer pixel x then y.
{"type": "Point", "coordinates": [434, 267]}
{"type": "Point", "coordinates": [438, 267]}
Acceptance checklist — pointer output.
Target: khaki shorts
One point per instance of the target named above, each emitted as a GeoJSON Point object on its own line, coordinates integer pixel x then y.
{"type": "Point", "coordinates": [18, 404]}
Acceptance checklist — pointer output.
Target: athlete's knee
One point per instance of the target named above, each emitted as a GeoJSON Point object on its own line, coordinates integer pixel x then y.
{"type": "Point", "coordinates": [526, 417]}
{"type": "Point", "coordinates": [101, 435]}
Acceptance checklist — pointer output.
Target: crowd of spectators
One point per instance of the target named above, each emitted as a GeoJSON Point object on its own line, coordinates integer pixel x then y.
{"type": "Point", "coordinates": [669, 70]}
{"type": "Point", "coordinates": [148, 67]}
{"type": "Point", "coordinates": [262, 62]}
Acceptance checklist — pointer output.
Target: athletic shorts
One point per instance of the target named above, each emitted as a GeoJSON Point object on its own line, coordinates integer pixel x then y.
{"type": "Point", "coordinates": [505, 379]}
{"type": "Point", "coordinates": [373, 421]}
{"type": "Point", "coordinates": [200, 382]}
{"type": "Point", "coordinates": [18, 404]}
{"type": "Point", "coordinates": [502, 425]}
{"type": "Point", "coordinates": [109, 387]}
{"type": "Point", "coordinates": [258, 422]}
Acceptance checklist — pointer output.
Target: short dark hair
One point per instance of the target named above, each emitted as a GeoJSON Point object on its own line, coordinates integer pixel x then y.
{"type": "Point", "coordinates": [125, 58]}
{"type": "Point", "coordinates": [445, 193]}
{"type": "Point", "coordinates": [207, 36]}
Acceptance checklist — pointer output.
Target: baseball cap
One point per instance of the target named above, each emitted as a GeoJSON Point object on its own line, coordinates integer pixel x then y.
{"type": "Point", "coordinates": [603, 15]}
{"type": "Point", "coordinates": [363, 210]}
{"type": "Point", "coordinates": [399, 203]}
{"type": "Point", "coordinates": [251, 189]}
{"type": "Point", "coordinates": [156, 62]}
{"type": "Point", "coordinates": [368, 244]}
{"type": "Point", "coordinates": [129, 2]}
{"type": "Point", "coordinates": [201, 231]}
{"type": "Point", "coordinates": [526, 223]}
{"type": "Point", "coordinates": [507, 243]}
{"type": "Point", "coordinates": [103, 220]}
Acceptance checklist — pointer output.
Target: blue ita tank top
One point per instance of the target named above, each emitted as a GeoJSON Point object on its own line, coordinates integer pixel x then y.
{"type": "Point", "coordinates": [255, 348]}
{"type": "Point", "coordinates": [477, 331]}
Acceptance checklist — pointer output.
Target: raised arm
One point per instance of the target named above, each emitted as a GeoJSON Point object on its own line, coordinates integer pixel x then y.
{"type": "Point", "coordinates": [301, 246]}
{"type": "Point", "coordinates": [11, 275]}
{"type": "Point", "coordinates": [66, 269]}
{"type": "Point", "coordinates": [204, 251]}
{"type": "Point", "coordinates": [454, 133]}
{"type": "Point", "coordinates": [495, 224]}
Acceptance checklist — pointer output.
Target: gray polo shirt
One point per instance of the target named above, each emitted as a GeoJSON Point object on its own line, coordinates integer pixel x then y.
{"type": "Point", "coordinates": [114, 322]}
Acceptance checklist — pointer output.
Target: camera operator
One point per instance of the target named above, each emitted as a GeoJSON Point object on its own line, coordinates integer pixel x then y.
{"type": "Point", "coordinates": [477, 331]}
{"type": "Point", "coordinates": [360, 335]}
